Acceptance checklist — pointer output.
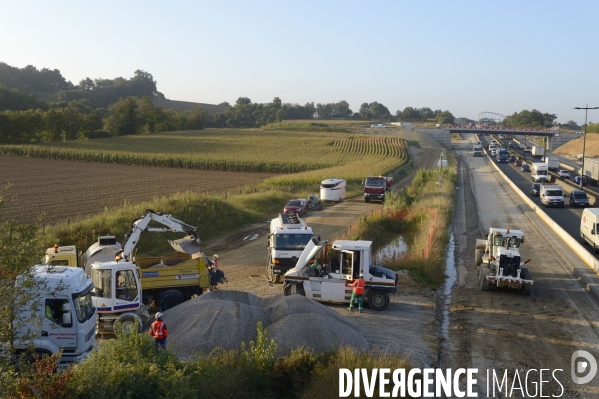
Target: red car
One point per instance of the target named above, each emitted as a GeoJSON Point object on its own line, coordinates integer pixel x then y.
{"type": "Point", "coordinates": [297, 206]}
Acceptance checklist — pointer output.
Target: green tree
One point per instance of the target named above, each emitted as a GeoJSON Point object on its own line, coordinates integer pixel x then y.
{"type": "Point", "coordinates": [123, 118]}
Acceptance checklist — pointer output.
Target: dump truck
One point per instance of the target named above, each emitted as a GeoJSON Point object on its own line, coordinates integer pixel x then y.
{"type": "Point", "coordinates": [56, 313]}
{"type": "Point", "coordinates": [323, 273]}
{"type": "Point", "coordinates": [126, 286]}
{"type": "Point", "coordinates": [499, 263]}
{"type": "Point", "coordinates": [376, 187]}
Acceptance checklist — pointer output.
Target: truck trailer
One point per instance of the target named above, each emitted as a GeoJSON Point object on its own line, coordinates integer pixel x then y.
{"type": "Point", "coordinates": [538, 151]}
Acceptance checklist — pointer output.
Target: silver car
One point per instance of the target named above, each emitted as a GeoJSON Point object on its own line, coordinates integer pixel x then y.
{"type": "Point", "coordinates": [563, 173]}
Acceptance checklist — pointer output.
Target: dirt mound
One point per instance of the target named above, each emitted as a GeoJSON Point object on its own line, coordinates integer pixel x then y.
{"type": "Point", "coordinates": [574, 148]}
{"type": "Point", "coordinates": [227, 318]}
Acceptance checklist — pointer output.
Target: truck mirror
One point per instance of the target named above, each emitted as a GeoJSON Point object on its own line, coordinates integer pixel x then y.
{"type": "Point", "coordinates": [67, 319]}
{"type": "Point", "coordinates": [66, 307]}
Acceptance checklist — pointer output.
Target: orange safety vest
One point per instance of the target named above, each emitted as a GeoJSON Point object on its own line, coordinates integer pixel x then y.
{"type": "Point", "coordinates": [358, 286]}
{"type": "Point", "coordinates": [158, 330]}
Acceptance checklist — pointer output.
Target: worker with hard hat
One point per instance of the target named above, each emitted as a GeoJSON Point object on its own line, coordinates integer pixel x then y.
{"type": "Point", "coordinates": [159, 331]}
{"type": "Point", "coordinates": [357, 293]}
{"type": "Point", "coordinates": [215, 260]}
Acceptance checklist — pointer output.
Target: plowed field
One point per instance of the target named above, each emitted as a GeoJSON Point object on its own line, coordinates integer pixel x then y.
{"type": "Point", "coordinates": [71, 190]}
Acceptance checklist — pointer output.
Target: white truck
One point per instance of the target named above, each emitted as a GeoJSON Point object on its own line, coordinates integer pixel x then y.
{"type": "Point", "coordinates": [287, 238]}
{"type": "Point", "coordinates": [551, 195]}
{"type": "Point", "coordinates": [591, 169]}
{"type": "Point", "coordinates": [323, 273]}
{"type": "Point", "coordinates": [552, 163]}
{"type": "Point", "coordinates": [589, 228]}
{"type": "Point", "coordinates": [57, 313]}
{"type": "Point", "coordinates": [499, 262]}
{"type": "Point", "coordinates": [537, 151]}
{"type": "Point", "coordinates": [538, 172]}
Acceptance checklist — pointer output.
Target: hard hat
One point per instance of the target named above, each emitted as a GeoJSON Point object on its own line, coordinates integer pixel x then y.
{"type": "Point", "coordinates": [158, 315]}
{"type": "Point", "coordinates": [215, 256]}
{"type": "Point", "coordinates": [361, 275]}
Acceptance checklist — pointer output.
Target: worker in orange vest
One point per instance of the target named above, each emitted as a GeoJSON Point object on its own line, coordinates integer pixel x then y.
{"type": "Point", "coordinates": [159, 331]}
{"type": "Point", "coordinates": [358, 292]}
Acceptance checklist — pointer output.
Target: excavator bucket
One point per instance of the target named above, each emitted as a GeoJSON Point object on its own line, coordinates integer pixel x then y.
{"type": "Point", "coordinates": [186, 245]}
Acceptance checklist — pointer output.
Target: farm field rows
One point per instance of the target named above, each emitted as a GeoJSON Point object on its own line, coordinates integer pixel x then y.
{"type": "Point", "coordinates": [69, 189]}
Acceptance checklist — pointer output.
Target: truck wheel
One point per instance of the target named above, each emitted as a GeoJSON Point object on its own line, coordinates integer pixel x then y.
{"type": "Point", "coordinates": [484, 283]}
{"type": "Point", "coordinates": [169, 299]}
{"type": "Point", "coordinates": [378, 300]}
{"type": "Point", "coordinates": [526, 288]}
{"type": "Point", "coordinates": [478, 257]}
{"type": "Point", "coordinates": [127, 324]}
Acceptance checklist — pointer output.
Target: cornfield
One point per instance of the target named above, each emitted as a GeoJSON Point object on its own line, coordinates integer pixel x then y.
{"type": "Point", "coordinates": [308, 156]}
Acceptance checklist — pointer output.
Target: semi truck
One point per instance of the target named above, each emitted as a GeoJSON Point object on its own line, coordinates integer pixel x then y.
{"type": "Point", "coordinates": [477, 150]}
{"type": "Point", "coordinates": [537, 151]}
{"type": "Point", "coordinates": [591, 169]}
{"type": "Point", "coordinates": [287, 238]}
{"type": "Point", "coordinates": [323, 273]}
{"type": "Point", "coordinates": [538, 172]}
{"type": "Point", "coordinates": [503, 155]}
{"type": "Point", "coordinates": [57, 313]}
{"type": "Point", "coordinates": [376, 187]}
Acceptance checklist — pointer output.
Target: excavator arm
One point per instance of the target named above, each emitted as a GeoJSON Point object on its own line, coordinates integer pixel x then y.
{"type": "Point", "coordinates": [189, 244]}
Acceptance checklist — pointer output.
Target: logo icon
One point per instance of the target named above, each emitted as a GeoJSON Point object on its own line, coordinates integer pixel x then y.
{"type": "Point", "coordinates": [579, 367]}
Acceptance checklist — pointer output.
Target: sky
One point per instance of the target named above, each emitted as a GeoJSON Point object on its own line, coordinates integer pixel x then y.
{"type": "Point", "coordinates": [467, 57]}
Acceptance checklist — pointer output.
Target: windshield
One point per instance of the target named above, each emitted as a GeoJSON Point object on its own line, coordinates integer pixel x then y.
{"type": "Point", "coordinates": [554, 193]}
{"type": "Point", "coordinates": [580, 196]}
{"type": "Point", "coordinates": [375, 182]}
{"type": "Point", "coordinates": [542, 172]}
{"type": "Point", "coordinates": [102, 280]}
{"type": "Point", "coordinates": [294, 203]}
{"type": "Point", "coordinates": [536, 186]}
{"type": "Point", "coordinates": [84, 308]}
{"type": "Point", "coordinates": [291, 241]}
{"type": "Point", "coordinates": [329, 185]}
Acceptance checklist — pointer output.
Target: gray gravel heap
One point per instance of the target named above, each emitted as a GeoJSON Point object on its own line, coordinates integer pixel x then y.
{"type": "Point", "coordinates": [227, 318]}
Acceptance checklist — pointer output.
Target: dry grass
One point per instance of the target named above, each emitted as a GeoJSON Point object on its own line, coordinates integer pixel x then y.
{"type": "Point", "coordinates": [574, 148]}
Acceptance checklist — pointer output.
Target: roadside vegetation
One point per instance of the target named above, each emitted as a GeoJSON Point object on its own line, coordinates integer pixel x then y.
{"type": "Point", "coordinates": [409, 213]}
{"type": "Point", "coordinates": [130, 367]}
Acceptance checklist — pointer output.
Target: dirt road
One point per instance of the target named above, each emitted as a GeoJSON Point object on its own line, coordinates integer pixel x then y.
{"type": "Point", "coordinates": [505, 330]}
{"type": "Point", "coordinates": [408, 326]}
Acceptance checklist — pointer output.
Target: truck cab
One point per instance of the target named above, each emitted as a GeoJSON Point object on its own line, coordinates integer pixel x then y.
{"type": "Point", "coordinates": [503, 155]}
{"type": "Point", "coordinates": [376, 188]}
{"type": "Point", "coordinates": [61, 299]}
{"type": "Point", "coordinates": [538, 172]}
{"type": "Point", "coordinates": [288, 237]}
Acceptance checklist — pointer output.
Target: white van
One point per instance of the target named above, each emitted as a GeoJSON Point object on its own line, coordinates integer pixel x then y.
{"type": "Point", "coordinates": [332, 189]}
{"type": "Point", "coordinates": [588, 227]}
{"type": "Point", "coordinates": [552, 195]}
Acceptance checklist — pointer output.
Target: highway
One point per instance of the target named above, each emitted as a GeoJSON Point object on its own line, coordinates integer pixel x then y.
{"type": "Point", "coordinates": [568, 217]}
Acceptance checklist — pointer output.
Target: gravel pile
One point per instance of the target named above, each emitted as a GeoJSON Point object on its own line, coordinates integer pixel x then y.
{"type": "Point", "coordinates": [227, 318]}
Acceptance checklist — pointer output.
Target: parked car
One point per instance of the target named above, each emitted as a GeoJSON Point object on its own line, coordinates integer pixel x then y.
{"type": "Point", "coordinates": [297, 206]}
{"type": "Point", "coordinates": [378, 125]}
{"type": "Point", "coordinates": [525, 168]}
{"type": "Point", "coordinates": [563, 173]}
{"type": "Point", "coordinates": [535, 189]}
{"type": "Point", "coordinates": [577, 180]}
{"type": "Point", "coordinates": [578, 198]}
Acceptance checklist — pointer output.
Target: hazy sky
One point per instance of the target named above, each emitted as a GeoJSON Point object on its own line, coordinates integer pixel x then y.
{"type": "Point", "coordinates": [463, 56]}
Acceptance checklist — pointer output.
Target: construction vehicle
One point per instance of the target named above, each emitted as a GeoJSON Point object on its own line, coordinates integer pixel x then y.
{"type": "Point", "coordinates": [123, 285]}
{"type": "Point", "coordinates": [287, 238]}
{"type": "Point", "coordinates": [376, 187]}
{"type": "Point", "coordinates": [499, 262]}
{"type": "Point", "coordinates": [57, 313]}
{"type": "Point", "coordinates": [323, 273]}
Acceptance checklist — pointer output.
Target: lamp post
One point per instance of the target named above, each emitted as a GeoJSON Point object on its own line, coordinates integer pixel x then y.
{"type": "Point", "coordinates": [584, 140]}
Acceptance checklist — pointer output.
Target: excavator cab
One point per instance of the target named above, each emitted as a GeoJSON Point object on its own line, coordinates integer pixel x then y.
{"type": "Point", "coordinates": [116, 285]}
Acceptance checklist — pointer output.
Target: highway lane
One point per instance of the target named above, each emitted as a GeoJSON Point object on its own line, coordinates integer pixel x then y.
{"type": "Point", "coordinates": [568, 217]}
